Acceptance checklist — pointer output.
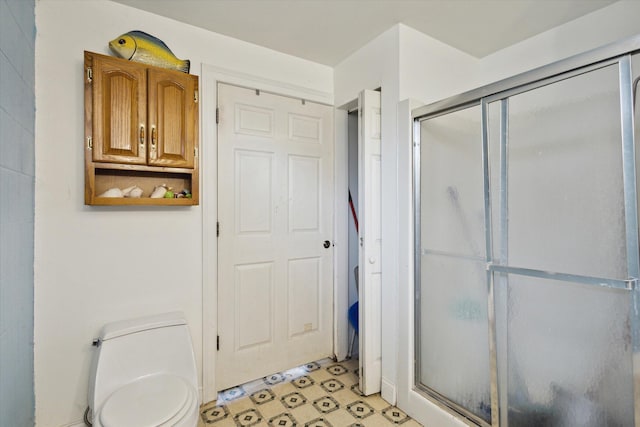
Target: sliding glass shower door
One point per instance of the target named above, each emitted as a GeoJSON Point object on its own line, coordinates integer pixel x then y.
{"type": "Point", "coordinates": [452, 329]}
{"type": "Point", "coordinates": [527, 308]}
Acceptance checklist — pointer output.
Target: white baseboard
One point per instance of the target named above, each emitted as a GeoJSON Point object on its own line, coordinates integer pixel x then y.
{"type": "Point", "coordinates": [388, 391]}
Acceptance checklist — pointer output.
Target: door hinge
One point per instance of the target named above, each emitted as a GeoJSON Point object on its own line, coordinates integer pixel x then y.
{"type": "Point", "coordinates": [217, 115]}
{"type": "Point", "coordinates": [89, 74]}
{"type": "Point", "coordinates": [218, 229]}
{"type": "Point", "coordinates": [218, 342]}
{"type": "Point", "coordinates": [195, 152]}
{"type": "Point", "coordinates": [195, 96]}
{"type": "Point", "coordinates": [89, 143]}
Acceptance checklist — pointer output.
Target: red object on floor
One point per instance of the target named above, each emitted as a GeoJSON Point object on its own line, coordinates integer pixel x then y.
{"type": "Point", "coordinates": [353, 211]}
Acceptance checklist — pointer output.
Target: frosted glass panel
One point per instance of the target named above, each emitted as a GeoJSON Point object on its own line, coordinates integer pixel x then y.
{"type": "Point", "coordinates": [452, 184]}
{"type": "Point", "coordinates": [565, 193]}
{"type": "Point", "coordinates": [569, 355]}
{"type": "Point", "coordinates": [454, 344]}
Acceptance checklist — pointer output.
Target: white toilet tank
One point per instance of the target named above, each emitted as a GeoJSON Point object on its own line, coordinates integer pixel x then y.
{"type": "Point", "coordinates": [133, 350]}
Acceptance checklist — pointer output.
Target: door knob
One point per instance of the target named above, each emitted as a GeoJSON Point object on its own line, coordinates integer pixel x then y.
{"type": "Point", "coordinates": [326, 244]}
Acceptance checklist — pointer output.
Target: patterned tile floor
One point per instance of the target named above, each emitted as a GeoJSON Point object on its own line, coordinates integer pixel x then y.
{"type": "Point", "coordinates": [319, 394]}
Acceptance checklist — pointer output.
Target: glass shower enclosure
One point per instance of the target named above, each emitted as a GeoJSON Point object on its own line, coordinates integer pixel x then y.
{"type": "Point", "coordinates": [526, 247]}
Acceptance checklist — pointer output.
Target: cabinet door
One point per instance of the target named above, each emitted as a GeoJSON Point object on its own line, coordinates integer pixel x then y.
{"type": "Point", "coordinates": [119, 111]}
{"type": "Point", "coordinates": [172, 118]}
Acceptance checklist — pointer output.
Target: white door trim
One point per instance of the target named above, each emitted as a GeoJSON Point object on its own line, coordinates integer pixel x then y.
{"type": "Point", "coordinates": [210, 76]}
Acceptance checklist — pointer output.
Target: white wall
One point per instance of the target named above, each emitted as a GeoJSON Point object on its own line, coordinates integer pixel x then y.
{"type": "Point", "coordinates": [98, 264]}
{"type": "Point", "coordinates": [17, 165]}
{"type": "Point", "coordinates": [431, 70]}
{"type": "Point", "coordinates": [372, 66]}
{"type": "Point", "coordinates": [593, 30]}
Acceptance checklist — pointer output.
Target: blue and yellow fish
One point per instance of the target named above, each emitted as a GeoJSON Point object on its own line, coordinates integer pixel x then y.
{"type": "Point", "coordinates": [142, 47]}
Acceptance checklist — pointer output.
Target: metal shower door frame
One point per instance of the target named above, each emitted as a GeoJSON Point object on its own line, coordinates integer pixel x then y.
{"type": "Point", "coordinates": [616, 54]}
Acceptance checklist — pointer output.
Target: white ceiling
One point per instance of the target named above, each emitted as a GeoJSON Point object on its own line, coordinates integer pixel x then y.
{"type": "Point", "coordinates": [327, 31]}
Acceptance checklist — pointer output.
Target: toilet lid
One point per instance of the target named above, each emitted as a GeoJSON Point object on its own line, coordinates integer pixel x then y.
{"type": "Point", "coordinates": [149, 402]}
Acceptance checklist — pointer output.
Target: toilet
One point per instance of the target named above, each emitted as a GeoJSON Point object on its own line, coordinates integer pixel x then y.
{"type": "Point", "coordinates": [144, 374]}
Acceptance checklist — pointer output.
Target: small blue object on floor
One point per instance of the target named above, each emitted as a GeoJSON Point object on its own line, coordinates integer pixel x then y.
{"type": "Point", "coordinates": [353, 319]}
{"type": "Point", "coordinates": [353, 316]}
{"type": "Point", "coordinates": [353, 313]}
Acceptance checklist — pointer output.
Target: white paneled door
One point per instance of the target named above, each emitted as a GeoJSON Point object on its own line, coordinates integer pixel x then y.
{"type": "Point", "coordinates": [369, 195]}
{"type": "Point", "coordinates": [275, 212]}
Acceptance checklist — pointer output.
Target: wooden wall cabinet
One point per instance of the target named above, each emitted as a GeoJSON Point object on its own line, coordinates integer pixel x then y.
{"type": "Point", "coordinates": [141, 128]}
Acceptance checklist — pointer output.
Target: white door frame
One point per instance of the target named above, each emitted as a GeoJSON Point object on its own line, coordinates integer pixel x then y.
{"type": "Point", "coordinates": [210, 77]}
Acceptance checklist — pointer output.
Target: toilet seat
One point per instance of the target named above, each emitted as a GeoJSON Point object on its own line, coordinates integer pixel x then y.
{"type": "Point", "coordinates": [153, 401]}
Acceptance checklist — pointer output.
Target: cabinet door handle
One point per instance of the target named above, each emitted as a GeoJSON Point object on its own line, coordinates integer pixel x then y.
{"type": "Point", "coordinates": [153, 142]}
{"type": "Point", "coordinates": [153, 137]}
{"type": "Point", "coordinates": [141, 135]}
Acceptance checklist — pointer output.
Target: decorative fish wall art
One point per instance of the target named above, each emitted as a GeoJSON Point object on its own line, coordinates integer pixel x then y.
{"type": "Point", "coordinates": [141, 47]}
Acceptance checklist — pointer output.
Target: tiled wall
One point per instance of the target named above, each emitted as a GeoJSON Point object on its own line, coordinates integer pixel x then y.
{"type": "Point", "coordinates": [17, 164]}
